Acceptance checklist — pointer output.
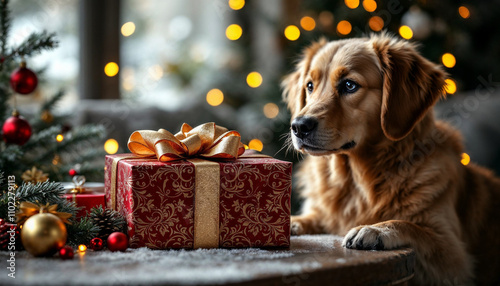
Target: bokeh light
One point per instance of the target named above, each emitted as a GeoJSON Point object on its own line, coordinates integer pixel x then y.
{"type": "Point", "coordinates": [234, 32]}
{"type": "Point", "coordinates": [128, 29]}
{"type": "Point", "coordinates": [344, 27]}
{"type": "Point", "coordinates": [111, 146]}
{"type": "Point", "coordinates": [464, 12]}
{"type": "Point", "coordinates": [271, 110]}
{"type": "Point", "coordinates": [326, 18]}
{"type": "Point", "coordinates": [451, 86]}
{"type": "Point", "coordinates": [127, 85]}
{"type": "Point", "coordinates": [465, 159]}
{"type": "Point", "coordinates": [307, 23]}
{"type": "Point", "coordinates": [254, 79]}
{"type": "Point", "coordinates": [59, 138]}
{"type": "Point", "coordinates": [448, 60]}
{"type": "Point", "coordinates": [111, 69]}
{"type": "Point", "coordinates": [82, 247]}
{"type": "Point", "coordinates": [376, 23]}
{"type": "Point", "coordinates": [353, 4]}
{"type": "Point", "coordinates": [370, 5]}
{"type": "Point", "coordinates": [292, 33]}
{"type": "Point", "coordinates": [236, 4]}
{"type": "Point", "coordinates": [215, 97]}
{"type": "Point", "coordinates": [256, 144]}
{"type": "Point", "coordinates": [405, 32]}
{"type": "Point", "coordinates": [156, 72]}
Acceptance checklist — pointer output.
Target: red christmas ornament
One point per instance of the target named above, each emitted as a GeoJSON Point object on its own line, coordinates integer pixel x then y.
{"type": "Point", "coordinates": [23, 80]}
{"type": "Point", "coordinates": [96, 244]}
{"type": "Point", "coordinates": [72, 172]}
{"type": "Point", "coordinates": [16, 130]}
{"type": "Point", "coordinates": [117, 241]}
{"type": "Point", "coordinates": [66, 252]}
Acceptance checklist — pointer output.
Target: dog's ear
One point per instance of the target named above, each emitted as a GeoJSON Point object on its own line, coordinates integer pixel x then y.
{"type": "Point", "coordinates": [411, 86]}
{"type": "Point", "coordinates": [293, 84]}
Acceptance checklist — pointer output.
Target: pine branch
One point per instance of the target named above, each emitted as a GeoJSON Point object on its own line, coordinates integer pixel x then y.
{"type": "Point", "coordinates": [80, 135]}
{"type": "Point", "coordinates": [4, 97]}
{"type": "Point", "coordinates": [43, 138]}
{"type": "Point", "coordinates": [35, 43]}
{"type": "Point", "coordinates": [50, 104]}
{"type": "Point", "coordinates": [9, 156]}
{"type": "Point", "coordinates": [4, 26]}
{"type": "Point", "coordinates": [39, 125]}
{"type": "Point", "coordinates": [67, 207]}
{"type": "Point", "coordinates": [46, 192]}
{"type": "Point", "coordinates": [81, 232]}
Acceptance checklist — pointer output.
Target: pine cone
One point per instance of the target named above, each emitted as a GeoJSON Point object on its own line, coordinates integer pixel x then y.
{"type": "Point", "coordinates": [108, 221]}
{"type": "Point", "coordinates": [5, 236]}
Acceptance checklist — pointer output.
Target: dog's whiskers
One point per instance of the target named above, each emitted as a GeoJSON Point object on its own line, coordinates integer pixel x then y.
{"type": "Point", "coordinates": [288, 144]}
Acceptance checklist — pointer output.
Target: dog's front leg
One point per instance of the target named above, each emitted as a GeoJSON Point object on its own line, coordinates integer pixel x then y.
{"type": "Point", "coordinates": [439, 252]}
{"type": "Point", "coordinates": [308, 223]}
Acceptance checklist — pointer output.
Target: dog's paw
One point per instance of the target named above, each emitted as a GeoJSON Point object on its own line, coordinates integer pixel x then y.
{"type": "Point", "coordinates": [301, 225]}
{"type": "Point", "coordinates": [296, 227]}
{"type": "Point", "coordinates": [369, 238]}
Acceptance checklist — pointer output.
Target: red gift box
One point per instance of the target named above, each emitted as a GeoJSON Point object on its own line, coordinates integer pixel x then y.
{"type": "Point", "coordinates": [172, 204]}
{"type": "Point", "coordinates": [91, 196]}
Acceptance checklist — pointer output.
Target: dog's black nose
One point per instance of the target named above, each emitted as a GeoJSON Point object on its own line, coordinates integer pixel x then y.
{"type": "Point", "coordinates": [303, 126]}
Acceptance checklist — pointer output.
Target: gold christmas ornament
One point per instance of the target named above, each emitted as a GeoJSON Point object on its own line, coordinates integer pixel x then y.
{"type": "Point", "coordinates": [43, 231]}
{"type": "Point", "coordinates": [46, 116]}
{"type": "Point", "coordinates": [43, 234]}
{"type": "Point", "coordinates": [34, 176]}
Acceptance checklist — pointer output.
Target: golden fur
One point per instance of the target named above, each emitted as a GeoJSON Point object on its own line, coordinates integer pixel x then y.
{"type": "Point", "coordinates": [399, 182]}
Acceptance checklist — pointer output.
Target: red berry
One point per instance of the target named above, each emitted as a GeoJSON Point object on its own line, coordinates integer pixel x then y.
{"type": "Point", "coordinates": [66, 252]}
{"type": "Point", "coordinates": [96, 244]}
{"type": "Point", "coordinates": [72, 172]}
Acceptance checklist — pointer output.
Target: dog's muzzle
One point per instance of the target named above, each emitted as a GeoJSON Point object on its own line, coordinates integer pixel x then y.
{"type": "Point", "coordinates": [302, 127]}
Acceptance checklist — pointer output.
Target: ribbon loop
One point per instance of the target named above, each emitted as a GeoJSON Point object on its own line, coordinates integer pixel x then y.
{"type": "Point", "coordinates": [28, 209]}
{"type": "Point", "coordinates": [207, 140]}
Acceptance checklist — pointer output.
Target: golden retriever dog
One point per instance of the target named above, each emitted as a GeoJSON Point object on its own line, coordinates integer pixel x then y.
{"type": "Point", "coordinates": [380, 170]}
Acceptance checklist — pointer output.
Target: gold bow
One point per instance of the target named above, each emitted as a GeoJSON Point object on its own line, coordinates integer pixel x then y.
{"type": "Point", "coordinates": [27, 209]}
{"type": "Point", "coordinates": [206, 140]}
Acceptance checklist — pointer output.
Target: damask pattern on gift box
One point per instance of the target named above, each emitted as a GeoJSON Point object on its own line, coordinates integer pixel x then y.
{"type": "Point", "coordinates": [158, 201]}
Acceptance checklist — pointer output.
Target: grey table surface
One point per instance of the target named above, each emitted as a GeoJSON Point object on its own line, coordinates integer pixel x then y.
{"type": "Point", "coordinates": [311, 260]}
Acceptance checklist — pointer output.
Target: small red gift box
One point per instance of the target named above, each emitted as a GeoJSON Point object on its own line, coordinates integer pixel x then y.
{"type": "Point", "coordinates": [194, 203]}
{"type": "Point", "coordinates": [89, 196]}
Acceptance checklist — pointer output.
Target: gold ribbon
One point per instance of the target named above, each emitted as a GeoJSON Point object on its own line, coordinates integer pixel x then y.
{"type": "Point", "coordinates": [208, 141]}
{"type": "Point", "coordinates": [27, 209]}
{"type": "Point", "coordinates": [206, 203]}
{"type": "Point", "coordinates": [114, 168]}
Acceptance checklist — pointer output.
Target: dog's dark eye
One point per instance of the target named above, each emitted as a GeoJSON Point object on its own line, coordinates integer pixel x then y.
{"type": "Point", "coordinates": [310, 86]}
{"type": "Point", "coordinates": [348, 86]}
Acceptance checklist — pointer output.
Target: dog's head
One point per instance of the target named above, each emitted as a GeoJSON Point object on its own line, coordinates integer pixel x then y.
{"type": "Point", "coordinates": [347, 93]}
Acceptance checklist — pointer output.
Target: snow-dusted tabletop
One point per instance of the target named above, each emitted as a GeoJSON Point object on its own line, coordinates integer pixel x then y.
{"type": "Point", "coordinates": [311, 260]}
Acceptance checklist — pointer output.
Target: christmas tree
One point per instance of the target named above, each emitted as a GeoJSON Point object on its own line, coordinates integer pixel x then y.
{"type": "Point", "coordinates": [44, 139]}
{"type": "Point", "coordinates": [42, 149]}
